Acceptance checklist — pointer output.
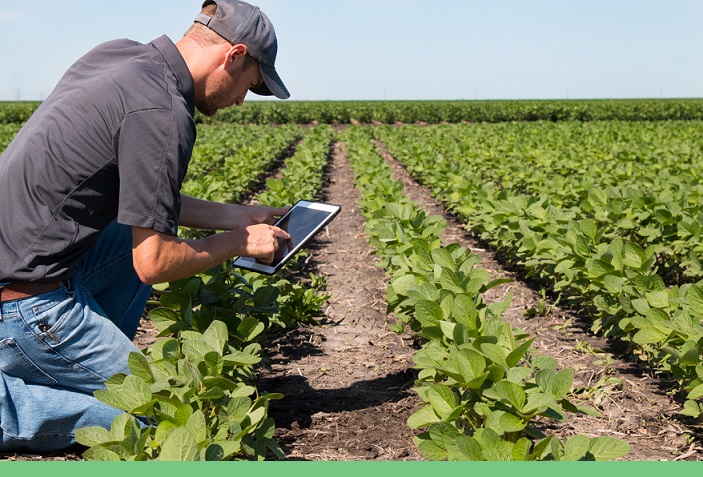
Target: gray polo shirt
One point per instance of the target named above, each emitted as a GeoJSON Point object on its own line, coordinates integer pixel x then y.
{"type": "Point", "coordinates": [113, 140]}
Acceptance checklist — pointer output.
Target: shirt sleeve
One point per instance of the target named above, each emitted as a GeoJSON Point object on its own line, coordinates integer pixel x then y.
{"type": "Point", "coordinates": [152, 159]}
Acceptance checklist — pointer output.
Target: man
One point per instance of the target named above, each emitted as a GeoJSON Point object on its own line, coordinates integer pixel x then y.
{"type": "Point", "coordinates": [91, 205]}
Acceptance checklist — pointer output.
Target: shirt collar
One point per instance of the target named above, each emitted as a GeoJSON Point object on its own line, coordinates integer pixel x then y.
{"type": "Point", "coordinates": [178, 65]}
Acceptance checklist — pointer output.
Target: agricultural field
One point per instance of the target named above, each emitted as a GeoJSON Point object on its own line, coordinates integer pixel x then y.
{"type": "Point", "coordinates": [506, 281]}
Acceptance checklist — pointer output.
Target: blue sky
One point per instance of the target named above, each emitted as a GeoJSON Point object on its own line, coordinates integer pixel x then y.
{"type": "Point", "coordinates": [399, 49]}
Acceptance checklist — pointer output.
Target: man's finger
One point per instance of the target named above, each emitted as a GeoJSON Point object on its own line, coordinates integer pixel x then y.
{"type": "Point", "coordinates": [278, 232]}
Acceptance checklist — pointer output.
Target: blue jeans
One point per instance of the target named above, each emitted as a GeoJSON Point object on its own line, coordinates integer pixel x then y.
{"type": "Point", "coordinates": [59, 347]}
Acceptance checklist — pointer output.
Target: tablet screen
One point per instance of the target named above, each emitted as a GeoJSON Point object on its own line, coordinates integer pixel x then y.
{"type": "Point", "coordinates": [299, 224]}
{"type": "Point", "coordinates": [302, 222]}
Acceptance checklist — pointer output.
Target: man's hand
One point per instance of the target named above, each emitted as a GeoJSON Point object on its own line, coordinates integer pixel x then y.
{"type": "Point", "coordinates": [263, 241]}
{"type": "Point", "coordinates": [261, 214]}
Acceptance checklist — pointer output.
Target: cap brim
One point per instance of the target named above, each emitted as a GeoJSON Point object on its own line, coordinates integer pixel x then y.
{"type": "Point", "coordinates": [272, 86]}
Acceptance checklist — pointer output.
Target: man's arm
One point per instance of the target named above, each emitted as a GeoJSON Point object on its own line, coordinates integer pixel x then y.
{"type": "Point", "coordinates": [203, 214]}
{"type": "Point", "coordinates": [160, 258]}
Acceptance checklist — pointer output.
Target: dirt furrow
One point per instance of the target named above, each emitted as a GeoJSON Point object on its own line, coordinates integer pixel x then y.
{"type": "Point", "coordinates": [347, 382]}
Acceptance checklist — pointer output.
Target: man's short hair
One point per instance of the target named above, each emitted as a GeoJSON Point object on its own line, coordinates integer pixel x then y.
{"type": "Point", "coordinates": [204, 36]}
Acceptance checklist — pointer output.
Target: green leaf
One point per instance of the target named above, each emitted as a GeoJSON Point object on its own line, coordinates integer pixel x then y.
{"type": "Point", "coordinates": [599, 268]}
{"type": "Point", "coordinates": [92, 436]}
{"type": "Point", "coordinates": [649, 336]}
{"type": "Point", "coordinates": [119, 426]}
{"type": "Point", "coordinates": [443, 258]}
{"type": "Point", "coordinates": [696, 393]}
{"type": "Point", "coordinates": [163, 316]}
{"type": "Point", "coordinates": [511, 423]}
{"type": "Point", "coordinates": [469, 448]}
{"type": "Point", "coordinates": [221, 450]}
{"type": "Point", "coordinates": [195, 347]}
{"type": "Point", "coordinates": [694, 298]}
{"type": "Point", "coordinates": [464, 311]}
{"type": "Point", "coordinates": [658, 299]}
{"type": "Point", "coordinates": [428, 313]}
{"type": "Point", "coordinates": [495, 353]}
{"type": "Point", "coordinates": [545, 380]}
{"type": "Point", "coordinates": [538, 402]}
{"type": "Point", "coordinates": [518, 353]}
{"type": "Point", "coordinates": [250, 328]}
{"type": "Point", "coordinates": [196, 426]}
{"type": "Point", "coordinates": [613, 284]}
{"type": "Point", "coordinates": [470, 364]}
{"type": "Point", "coordinates": [608, 448]}
{"type": "Point", "coordinates": [576, 448]}
{"type": "Point", "coordinates": [182, 414]}
{"type": "Point", "coordinates": [442, 399]}
{"type": "Point", "coordinates": [220, 382]}
{"type": "Point", "coordinates": [165, 348]}
{"type": "Point", "coordinates": [102, 455]}
{"type": "Point", "coordinates": [211, 394]}
{"type": "Point", "coordinates": [431, 451]}
{"type": "Point", "coordinates": [139, 366]}
{"type": "Point", "coordinates": [692, 408]}
{"type": "Point", "coordinates": [238, 408]}
{"type": "Point", "coordinates": [403, 284]}
{"type": "Point", "coordinates": [633, 256]}
{"type": "Point", "coordinates": [562, 383]}
{"type": "Point", "coordinates": [422, 418]}
{"type": "Point", "coordinates": [216, 336]}
{"type": "Point", "coordinates": [448, 328]}
{"type": "Point", "coordinates": [581, 247]}
{"type": "Point", "coordinates": [588, 411]}
{"type": "Point", "coordinates": [179, 445]}
{"type": "Point", "coordinates": [641, 306]}
{"type": "Point", "coordinates": [132, 394]}
{"type": "Point", "coordinates": [512, 393]}
{"type": "Point", "coordinates": [163, 429]}
{"type": "Point", "coordinates": [521, 450]}
{"type": "Point", "coordinates": [501, 451]}
{"type": "Point", "coordinates": [241, 359]}
{"type": "Point", "coordinates": [564, 265]}
{"type": "Point", "coordinates": [264, 296]}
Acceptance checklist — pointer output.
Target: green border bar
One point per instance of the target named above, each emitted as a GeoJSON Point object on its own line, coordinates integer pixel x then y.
{"type": "Point", "coordinates": [349, 469]}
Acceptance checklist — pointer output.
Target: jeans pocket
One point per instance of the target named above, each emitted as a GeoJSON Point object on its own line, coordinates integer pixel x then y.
{"type": "Point", "coordinates": [50, 317]}
{"type": "Point", "coordinates": [14, 362]}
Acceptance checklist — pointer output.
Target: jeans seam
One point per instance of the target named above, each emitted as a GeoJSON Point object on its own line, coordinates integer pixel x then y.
{"type": "Point", "coordinates": [20, 438]}
{"type": "Point", "coordinates": [23, 356]}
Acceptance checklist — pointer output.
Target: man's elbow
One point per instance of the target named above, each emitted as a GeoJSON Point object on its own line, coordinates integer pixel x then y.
{"type": "Point", "coordinates": [150, 269]}
{"type": "Point", "coordinates": [149, 275]}
{"type": "Point", "coordinates": [149, 257]}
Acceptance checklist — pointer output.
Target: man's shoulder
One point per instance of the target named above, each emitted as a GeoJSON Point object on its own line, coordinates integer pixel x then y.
{"type": "Point", "coordinates": [138, 71]}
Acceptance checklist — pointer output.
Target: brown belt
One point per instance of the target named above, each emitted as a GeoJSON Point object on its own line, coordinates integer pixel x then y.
{"type": "Point", "coordinates": [19, 291]}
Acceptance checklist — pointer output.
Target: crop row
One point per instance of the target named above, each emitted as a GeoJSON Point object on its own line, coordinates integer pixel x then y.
{"type": "Point", "coordinates": [636, 181]}
{"type": "Point", "coordinates": [612, 279]}
{"type": "Point", "coordinates": [390, 112]}
{"type": "Point", "coordinates": [229, 160]}
{"type": "Point", "coordinates": [483, 387]}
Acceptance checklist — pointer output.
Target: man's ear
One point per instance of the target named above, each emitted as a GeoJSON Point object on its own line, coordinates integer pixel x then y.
{"type": "Point", "coordinates": [235, 52]}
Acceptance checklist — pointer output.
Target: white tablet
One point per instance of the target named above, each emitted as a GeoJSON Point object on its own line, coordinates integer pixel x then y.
{"type": "Point", "coordinates": [302, 222]}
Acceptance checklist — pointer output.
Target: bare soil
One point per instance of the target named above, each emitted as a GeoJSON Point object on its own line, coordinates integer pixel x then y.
{"type": "Point", "coordinates": [348, 382]}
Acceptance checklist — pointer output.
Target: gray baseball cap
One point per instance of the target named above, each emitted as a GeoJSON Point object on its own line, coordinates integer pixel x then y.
{"type": "Point", "coordinates": [240, 22]}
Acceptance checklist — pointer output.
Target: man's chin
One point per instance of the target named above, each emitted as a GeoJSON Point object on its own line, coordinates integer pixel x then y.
{"type": "Point", "coordinates": [207, 112]}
